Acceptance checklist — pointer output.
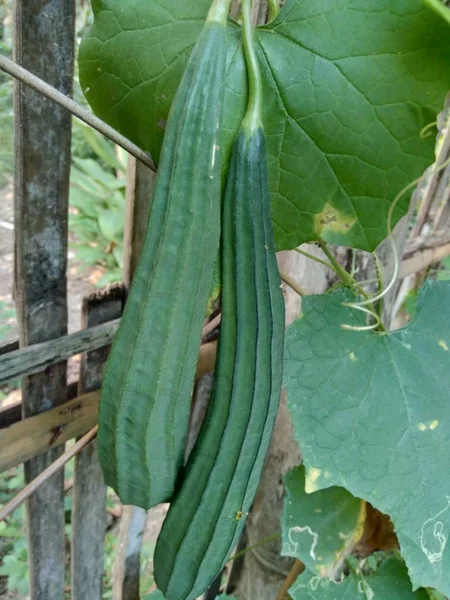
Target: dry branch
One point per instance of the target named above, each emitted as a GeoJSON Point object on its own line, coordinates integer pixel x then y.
{"type": "Point", "coordinates": [34, 485]}
{"type": "Point", "coordinates": [78, 111]}
{"type": "Point", "coordinates": [420, 261]}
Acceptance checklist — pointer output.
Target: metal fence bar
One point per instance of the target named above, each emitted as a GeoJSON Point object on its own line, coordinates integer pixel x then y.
{"type": "Point", "coordinates": [44, 44]}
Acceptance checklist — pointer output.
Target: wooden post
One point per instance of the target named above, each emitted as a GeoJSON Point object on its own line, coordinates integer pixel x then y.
{"type": "Point", "coordinates": [139, 195]}
{"type": "Point", "coordinates": [140, 184]}
{"type": "Point", "coordinates": [44, 44]}
{"type": "Point", "coordinates": [89, 490]}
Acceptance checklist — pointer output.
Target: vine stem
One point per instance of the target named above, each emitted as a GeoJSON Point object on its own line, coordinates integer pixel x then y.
{"type": "Point", "coordinates": [349, 281]}
{"type": "Point", "coordinates": [293, 284]}
{"type": "Point", "coordinates": [274, 9]}
{"type": "Point", "coordinates": [297, 569]}
{"type": "Point", "coordinates": [253, 116]}
{"type": "Point", "coordinates": [209, 327]}
{"type": "Point", "coordinates": [346, 278]}
{"type": "Point", "coordinates": [219, 11]}
{"type": "Point", "coordinates": [270, 538]}
{"type": "Point", "coordinates": [315, 258]}
{"type": "Point", "coordinates": [73, 107]}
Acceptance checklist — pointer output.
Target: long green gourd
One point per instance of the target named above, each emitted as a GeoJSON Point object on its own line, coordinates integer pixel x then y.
{"type": "Point", "coordinates": [209, 509]}
{"type": "Point", "coordinates": [145, 402]}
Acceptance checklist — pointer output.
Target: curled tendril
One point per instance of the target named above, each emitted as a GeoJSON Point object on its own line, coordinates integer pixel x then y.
{"type": "Point", "coordinates": [425, 132]}
{"type": "Point", "coordinates": [363, 304]}
{"type": "Point", "coordinates": [367, 311]}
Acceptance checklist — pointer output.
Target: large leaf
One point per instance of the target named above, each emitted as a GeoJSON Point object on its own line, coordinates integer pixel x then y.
{"type": "Point", "coordinates": [440, 8]}
{"type": "Point", "coordinates": [320, 529]}
{"type": "Point", "coordinates": [389, 582]}
{"type": "Point", "coordinates": [372, 414]}
{"type": "Point", "coordinates": [132, 61]}
{"type": "Point", "coordinates": [348, 86]}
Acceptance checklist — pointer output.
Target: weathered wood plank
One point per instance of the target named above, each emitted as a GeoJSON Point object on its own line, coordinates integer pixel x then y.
{"type": "Point", "coordinates": [36, 435]}
{"type": "Point", "coordinates": [30, 437]}
{"type": "Point", "coordinates": [44, 44]}
{"type": "Point", "coordinates": [140, 186]}
{"type": "Point", "coordinates": [89, 490]}
{"type": "Point", "coordinates": [140, 183]}
{"type": "Point", "coordinates": [128, 563]}
{"type": "Point", "coordinates": [38, 357]}
{"type": "Point", "coordinates": [8, 347]}
{"type": "Point", "coordinates": [13, 413]}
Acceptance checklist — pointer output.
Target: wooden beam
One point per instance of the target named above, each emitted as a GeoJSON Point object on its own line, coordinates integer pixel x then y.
{"type": "Point", "coordinates": [44, 43]}
{"type": "Point", "coordinates": [33, 436]}
{"type": "Point", "coordinates": [13, 413]}
{"type": "Point", "coordinates": [420, 261]}
{"type": "Point", "coordinates": [38, 357]}
{"type": "Point", "coordinates": [8, 347]}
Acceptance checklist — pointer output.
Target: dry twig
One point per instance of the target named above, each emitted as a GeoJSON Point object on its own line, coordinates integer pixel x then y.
{"type": "Point", "coordinates": [32, 487]}
{"type": "Point", "coordinates": [78, 111]}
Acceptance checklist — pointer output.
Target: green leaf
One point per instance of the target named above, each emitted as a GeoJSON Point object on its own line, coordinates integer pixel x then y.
{"type": "Point", "coordinates": [111, 276]}
{"type": "Point", "coordinates": [348, 86]}
{"type": "Point", "coordinates": [93, 169]}
{"type": "Point", "coordinates": [102, 147]}
{"type": "Point", "coordinates": [320, 529]}
{"type": "Point", "coordinates": [389, 582]}
{"type": "Point", "coordinates": [89, 254]}
{"type": "Point", "coordinates": [371, 413]}
{"type": "Point", "coordinates": [86, 203]}
{"type": "Point", "coordinates": [359, 80]}
{"type": "Point", "coordinates": [224, 597]}
{"type": "Point", "coordinates": [111, 223]}
{"type": "Point", "coordinates": [440, 8]}
{"type": "Point", "coordinates": [85, 183]}
{"type": "Point", "coordinates": [132, 61]}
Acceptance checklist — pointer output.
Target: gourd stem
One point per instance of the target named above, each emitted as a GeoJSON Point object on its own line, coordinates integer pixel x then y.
{"type": "Point", "coordinates": [315, 258]}
{"type": "Point", "coordinates": [219, 11]}
{"type": "Point", "coordinates": [253, 117]}
{"type": "Point", "coordinates": [293, 284]}
{"type": "Point", "coordinates": [274, 9]}
{"type": "Point", "coordinates": [346, 278]}
{"type": "Point", "coordinates": [270, 538]}
{"type": "Point", "coordinates": [350, 282]}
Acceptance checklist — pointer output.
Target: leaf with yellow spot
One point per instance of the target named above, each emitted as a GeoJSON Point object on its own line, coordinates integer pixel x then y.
{"type": "Point", "coordinates": [348, 86]}
{"type": "Point", "coordinates": [379, 426]}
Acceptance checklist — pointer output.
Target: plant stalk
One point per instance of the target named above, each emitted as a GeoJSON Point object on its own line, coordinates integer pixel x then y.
{"type": "Point", "coordinates": [253, 117]}
{"type": "Point", "coordinates": [293, 284]}
{"type": "Point", "coordinates": [315, 258]}
{"type": "Point", "coordinates": [274, 9]}
{"type": "Point", "coordinates": [345, 277]}
{"type": "Point", "coordinates": [219, 11]}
